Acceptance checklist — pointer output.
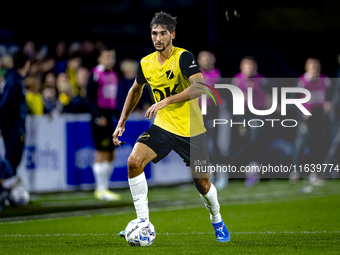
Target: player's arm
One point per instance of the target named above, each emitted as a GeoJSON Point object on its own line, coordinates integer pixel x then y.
{"type": "Point", "coordinates": [131, 101]}
{"type": "Point", "coordinates": [190, 70]}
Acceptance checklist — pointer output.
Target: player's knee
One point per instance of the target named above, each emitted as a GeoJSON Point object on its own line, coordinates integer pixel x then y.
{"type": "Point", "coordinates": [202, 185]}
{"type": "Point", "coordinates": [134, 166]}
{"type": "Point", "coordinates": [133, 162]}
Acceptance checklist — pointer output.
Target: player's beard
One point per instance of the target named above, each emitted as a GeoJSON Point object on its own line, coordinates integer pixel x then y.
{"type": "Point", "coordinates": [162, 49]}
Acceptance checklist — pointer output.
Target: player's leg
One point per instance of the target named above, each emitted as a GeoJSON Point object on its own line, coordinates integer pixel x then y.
{"type": "Point", "coordinates": [153, 145]}
{"type": "Point", "coordinates": [208, 195]}
{"type": "Point", "coordinates": [140, 156]}
{"type": "Point", "coordinates": [103, 163]}
{"type": "Point", "coordinates": [6, 180]}
{"type": "Point", "coordinates": [194, 151]}
{"type": "Point", "coordinates": [14, 145]}
{"type": "Point", "coordinates": [14, 140]}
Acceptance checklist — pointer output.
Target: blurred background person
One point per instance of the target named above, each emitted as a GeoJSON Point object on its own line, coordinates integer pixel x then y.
{"type": "Point", "coordinates": [333, 153]}
{"type": "Point", "coordinates": [246, 140]}
{"type": "Point", "coordinates": [13, 110]}
{"type": "Point", "coordinates": [73, 63]}
{"type": "Point", "coordinates": [6, 63]}
{"type": "Point", "coordinates": [65, 92]}
{"type": "Point", "coordinates": [49, 92]}
{"type": "Point", "coordinates": [79, 103]}
{"type": "Point", "coordinates": [128, 68]}
{"type": "Point", "coordinates": [89, 54]}
{"type": "Point", "coordinates": [30, 51]}
{"type": "Point", "coordinates": [60, 58]}
{"type": "Point", "coordinates": [206, 62]}
{"type": "Point", "coordinates": [35, 102]}
{"type": "Point", "coordinates": [308, 148]}
{"type": "Point", "coordinates": [102, 92]}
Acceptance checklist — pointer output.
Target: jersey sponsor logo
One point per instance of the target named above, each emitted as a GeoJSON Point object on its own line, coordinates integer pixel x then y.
{"type": "Point", "coordinates": [170, 74]}
{"type": "Point", "coordinates": [168, 92]}
{"type": "Point", "coordinates": [149, 78]}
{"type": "Point", "coordinates": [144, 136]}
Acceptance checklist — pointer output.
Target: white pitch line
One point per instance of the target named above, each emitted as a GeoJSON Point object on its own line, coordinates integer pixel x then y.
{"type": "Point", "coordinates": [183, 233]}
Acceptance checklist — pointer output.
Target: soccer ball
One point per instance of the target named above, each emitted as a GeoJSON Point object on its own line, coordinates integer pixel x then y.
{"type": "Point", "coordinates": [20, 196]}
{"type": "Point", "coordinates": [140, 232]}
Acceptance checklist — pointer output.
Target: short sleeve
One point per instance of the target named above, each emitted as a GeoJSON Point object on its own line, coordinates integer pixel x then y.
{"type": "Point", "coordinates": [140, 76]}
{"type": "Point", "coordinates": [188, 64]}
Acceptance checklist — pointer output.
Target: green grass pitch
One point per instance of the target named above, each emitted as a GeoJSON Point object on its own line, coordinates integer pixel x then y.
{"type": "Point", "coordinates": [270, 218]}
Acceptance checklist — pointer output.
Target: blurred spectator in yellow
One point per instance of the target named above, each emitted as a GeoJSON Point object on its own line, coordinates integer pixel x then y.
{"type": "Point", "coordinates": [34, 99]}
{"type": "Point", "coordinates": [83, 75]}
{"type": "Point", "coordinates": [65, 90]}
{"type": "Point", "coordinates": [73, 63]}
{"type": "Point", "coordinates": [79, 103]}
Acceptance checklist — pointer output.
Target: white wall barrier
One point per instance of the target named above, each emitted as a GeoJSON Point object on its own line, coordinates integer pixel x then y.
{"type": "Point", "coordinates": [59, 154]}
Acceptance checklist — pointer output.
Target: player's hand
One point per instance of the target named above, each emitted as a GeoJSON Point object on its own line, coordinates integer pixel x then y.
{"type": "Point", "coordinates": [101, 121]}
{"type": "Point", "coordinates": [118, 132]}
{"type": "Point", "coordinates": [153, 109]}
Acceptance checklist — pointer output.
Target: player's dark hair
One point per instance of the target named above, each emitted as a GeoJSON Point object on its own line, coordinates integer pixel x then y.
{"type": "Point", "coordinates": [19, 60]}
{"type": "Point", "coordinates": [165, 20]}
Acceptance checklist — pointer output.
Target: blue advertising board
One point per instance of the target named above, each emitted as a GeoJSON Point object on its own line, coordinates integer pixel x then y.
{"type": "Point", "coordinates": [81, 151]}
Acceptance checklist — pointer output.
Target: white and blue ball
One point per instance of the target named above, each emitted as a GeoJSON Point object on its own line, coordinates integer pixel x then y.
{"type": "Point", "coordinates": [140, 232]}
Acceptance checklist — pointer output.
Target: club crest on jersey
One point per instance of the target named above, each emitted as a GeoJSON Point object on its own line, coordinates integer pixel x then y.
{"type": "Point", "coordinates": [170, 74]}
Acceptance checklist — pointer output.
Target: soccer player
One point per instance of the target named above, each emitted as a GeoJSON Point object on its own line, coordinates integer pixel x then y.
{"type": "Point", "coordinates": [13, 110]}
{"type": "Point", "coordinates": [174, 77]}
{"type": "Point", "coordinates": [102, 96]}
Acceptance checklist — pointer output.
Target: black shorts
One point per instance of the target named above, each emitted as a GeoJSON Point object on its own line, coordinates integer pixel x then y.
{"type": "Point", "coordinates": [162, 142]}
{"type": "Point", "coordinates": [103, 135]}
